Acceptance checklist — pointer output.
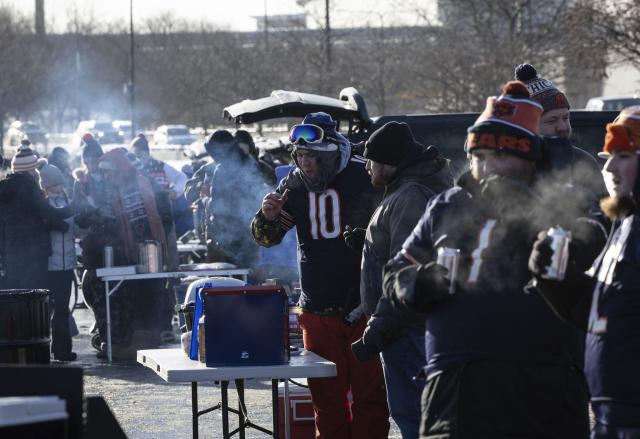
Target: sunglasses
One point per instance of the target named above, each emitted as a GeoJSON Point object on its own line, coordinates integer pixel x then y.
{"type": "Point", "coordinates": [308, 133]}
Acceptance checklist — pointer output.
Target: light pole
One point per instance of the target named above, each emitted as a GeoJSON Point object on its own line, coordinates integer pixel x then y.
{"type": "Point", "coordinates": [327, 33]}
{"type": "Point", "coordinates": [266, 27]}
{"type": "Point", "coordinates": [131, 72]}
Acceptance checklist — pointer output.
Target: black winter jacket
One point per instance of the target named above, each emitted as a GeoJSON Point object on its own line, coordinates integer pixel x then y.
{"type": "Point", "coordinates": [404, 202]}
{"type": "Point", "coordinates": [26, 220]}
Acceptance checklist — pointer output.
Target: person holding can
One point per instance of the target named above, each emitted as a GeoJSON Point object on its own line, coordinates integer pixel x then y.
{"type": "Point", "coordinates": [499, 363]}
{"type": "Point", "coordinates": [605, 301]}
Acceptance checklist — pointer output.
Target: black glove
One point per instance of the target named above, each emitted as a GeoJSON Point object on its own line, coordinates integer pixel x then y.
{"type": "Point", "coordinates": [354, 238]}
{"type": "Point", "coordinates": [541, 255]}
{"type": "Point", "coordinates": [569, 298]}
{"type": "Point", "coordinates": [430, 287]}
{"type": "Point", "coordinates": [374, 340]}
{"type": "Point", "coordinates": [88, 217]}
{"type": "Point", "coordinates": [60, 226]}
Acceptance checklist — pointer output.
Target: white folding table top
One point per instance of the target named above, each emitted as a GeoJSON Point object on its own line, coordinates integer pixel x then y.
{"type": "Point", "coordinates": [174, 274]}
{"type": "Point", "coordinates": [173, 366]}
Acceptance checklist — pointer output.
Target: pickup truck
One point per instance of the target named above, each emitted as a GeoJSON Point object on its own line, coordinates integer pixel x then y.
{"type": "Point", "coordinates": [446, 131]}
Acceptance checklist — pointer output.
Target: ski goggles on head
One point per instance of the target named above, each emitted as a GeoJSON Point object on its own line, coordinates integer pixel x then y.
{"type": "Point", "coordinates": [306, 132]}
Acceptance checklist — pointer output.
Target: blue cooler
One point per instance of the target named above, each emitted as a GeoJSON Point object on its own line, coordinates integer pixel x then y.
{"type": "Point", "coordinates": [246, 326]}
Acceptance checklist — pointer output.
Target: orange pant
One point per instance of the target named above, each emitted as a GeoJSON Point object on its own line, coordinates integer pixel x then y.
{"type": "Point", "coordinates": [330, 338]}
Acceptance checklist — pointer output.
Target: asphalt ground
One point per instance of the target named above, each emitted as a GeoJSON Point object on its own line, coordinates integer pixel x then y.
{"type": "Point", "coordinates": [149, 408]}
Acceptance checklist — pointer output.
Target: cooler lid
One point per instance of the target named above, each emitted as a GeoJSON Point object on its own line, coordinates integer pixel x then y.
{"type": "Point", "coordinates": [254, 289]}
{"type": "Point", "coordinates": [21, 410]}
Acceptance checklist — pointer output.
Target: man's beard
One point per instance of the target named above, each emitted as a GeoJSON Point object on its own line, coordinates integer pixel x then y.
{"type": "Point", "coordinates": [618, 207]}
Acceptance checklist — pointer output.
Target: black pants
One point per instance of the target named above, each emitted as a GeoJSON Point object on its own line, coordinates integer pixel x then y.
{"type": "Point", "coordinates": [499, 400]}
{"type": "Point", "coordinates": [59, 285]}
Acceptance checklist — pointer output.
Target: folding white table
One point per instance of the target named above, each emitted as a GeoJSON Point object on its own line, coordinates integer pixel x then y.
{"type": "Point", "coordinates": [173, 366]}
{"type": "Point", "coordinates": [163, 275]}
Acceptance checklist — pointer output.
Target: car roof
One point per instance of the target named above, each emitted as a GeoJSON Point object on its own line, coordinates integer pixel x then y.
{"type": "Point", "coordinates": [283, 103]}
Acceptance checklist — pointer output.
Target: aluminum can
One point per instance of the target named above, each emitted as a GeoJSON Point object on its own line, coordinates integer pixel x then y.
{"type": "Point", "coordinates": [560, 240]}
{"type": "Point", "coordinates": [449, 258]}
{"type": "Point", "coordinates": [107, 255]}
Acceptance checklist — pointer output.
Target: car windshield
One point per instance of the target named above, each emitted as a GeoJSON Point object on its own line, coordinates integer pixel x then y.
{"type": "Point", "coordinates": [103, 126]}
{"type": "Point", "coordinates": [619, 104]}
{"type": "Point", "coordinates": [177, 132]}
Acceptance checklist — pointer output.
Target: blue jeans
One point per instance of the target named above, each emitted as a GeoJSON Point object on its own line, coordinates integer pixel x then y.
{"type": "Point", "coordinates": [401, 361]}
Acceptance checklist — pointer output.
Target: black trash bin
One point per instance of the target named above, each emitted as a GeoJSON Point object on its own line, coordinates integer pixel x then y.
{"type": "Point", "coordinates": [25, 328]}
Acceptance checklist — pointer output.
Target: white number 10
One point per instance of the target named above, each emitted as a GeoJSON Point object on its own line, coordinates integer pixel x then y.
{"type": "Point", "coordinates": [318, 214]}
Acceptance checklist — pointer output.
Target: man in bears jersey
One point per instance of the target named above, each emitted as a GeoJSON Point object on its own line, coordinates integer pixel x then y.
{"type": "Point", "coordinates": [605, 301]}
{"type": "Point", "coordinates": [326, 190]}
{"type": "Point", "coordinates": [500, 364]}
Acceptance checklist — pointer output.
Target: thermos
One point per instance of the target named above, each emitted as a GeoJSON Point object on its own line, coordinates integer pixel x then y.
{"type": "Point", "coordinates": [108, 256]}
{"type": "Point", "coordinates": [449, 258]}
{"type": "Point", "coordinates": [560, 240]}
{"type": "Point", "coordinates": [150, 257]}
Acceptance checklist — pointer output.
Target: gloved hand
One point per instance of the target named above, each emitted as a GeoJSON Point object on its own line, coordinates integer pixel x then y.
{"type": "Point", "coordinates": [570, 298]}
{"type": "Point", "coordinates": [60, 226]}
{"type": "Point", "coordinates": [354, 238]}
{"type": "Point", "coordinates": [374, 340]}
{"type": "Point", "coordinates": [369, 346]}
{"type": "Point", "coordinates": [431, 286]}
{"type": "Point", "coordinates": [432, 280]}
{"type": "Point", "coordinates": [541, 255]}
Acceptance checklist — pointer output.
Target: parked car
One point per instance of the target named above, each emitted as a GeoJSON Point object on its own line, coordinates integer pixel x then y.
{"type": "Point", "coordinates": [18, 130]}
{"type": "Point", "coordinates": [123, 127]}
{"type": "Point", "coordinates": [104, 132]}
{"type": "Point", "coordinates": [447, 131]}
{"type": "Point", "coordinates": [173, 135]}
{"type": "Point", "coordinates": [611, 103]}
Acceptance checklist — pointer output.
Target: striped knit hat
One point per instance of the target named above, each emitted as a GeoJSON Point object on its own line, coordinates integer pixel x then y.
{"type": "Point", "coordinates": [509, 123]}
{"type": "Point", "coordinates": [542, 90]}
{"type": "Point", "coordinates": [25, 160]}
{"type": "Point", "coordinates": [623, 134]}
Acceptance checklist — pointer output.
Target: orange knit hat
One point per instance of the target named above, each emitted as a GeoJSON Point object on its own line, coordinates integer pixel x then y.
{"type": "Point", "coordinates": [623, 134]}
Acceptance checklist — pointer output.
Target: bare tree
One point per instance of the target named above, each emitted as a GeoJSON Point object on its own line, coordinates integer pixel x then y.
{"type": "Point", "coordinates": [23, 68]}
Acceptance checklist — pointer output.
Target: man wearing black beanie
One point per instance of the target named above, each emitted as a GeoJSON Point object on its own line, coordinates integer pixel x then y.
{"type": "Point", "coordinates": [411, 174]}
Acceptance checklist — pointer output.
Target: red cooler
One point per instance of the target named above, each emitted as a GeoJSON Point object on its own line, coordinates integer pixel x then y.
{"type": "Point", "coordinates": [246, 326]}
{"type": "Point", "coordinates": [301, 417]}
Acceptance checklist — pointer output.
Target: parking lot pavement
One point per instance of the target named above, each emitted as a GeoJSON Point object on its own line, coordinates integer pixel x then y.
{"type": "Point", "coordinates": [148, 408]}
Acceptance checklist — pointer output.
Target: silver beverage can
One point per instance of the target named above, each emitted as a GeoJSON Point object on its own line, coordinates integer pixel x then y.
{"type": "Point", "coordinates": [108, 256]}
{"type": "Point", "coordinates": [449, 258]}
{"type": "Point", "coordinates": [560, 240]}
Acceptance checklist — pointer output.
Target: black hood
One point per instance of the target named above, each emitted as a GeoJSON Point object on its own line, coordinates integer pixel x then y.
{"type": "Point", "coordinates": [428, 168]}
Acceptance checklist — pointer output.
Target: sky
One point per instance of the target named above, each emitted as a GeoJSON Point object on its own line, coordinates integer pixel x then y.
{"type": "Point", "coordinates": [234, 14]}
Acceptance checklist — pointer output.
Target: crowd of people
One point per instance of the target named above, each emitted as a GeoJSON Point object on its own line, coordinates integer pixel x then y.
{"type": "Point", "coordinates": [459, 317]}
{"type": "Point", "coordinates": [489, 345]}
{"type": "Point", "coordinates": [120, 199]}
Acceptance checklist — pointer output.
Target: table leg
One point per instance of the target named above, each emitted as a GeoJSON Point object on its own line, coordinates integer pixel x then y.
{"type": "Point", "coordinates": [241, 407]}
{"type": "Point", "coordinates": [106, 297]}
{"type": "Point", "coordinates": [224, 387]}
{"type": "Point", "coordinates": [276, 409]}
{"type": "Point", "coordinates": [194, 409]}
{"type": "Point", "coordinates": [286, 405]}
